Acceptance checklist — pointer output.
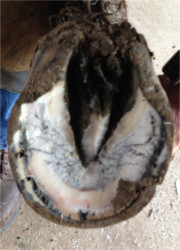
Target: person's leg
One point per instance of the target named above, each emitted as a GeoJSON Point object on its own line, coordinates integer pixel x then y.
{"type": "Point", "coordinates": [9, 193]}
{"type": "Point", "coordinates": [8, 100]}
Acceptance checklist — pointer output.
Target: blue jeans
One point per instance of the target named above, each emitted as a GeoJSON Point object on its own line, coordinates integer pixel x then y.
{"type": "Point", "coordinates": [8, 100]}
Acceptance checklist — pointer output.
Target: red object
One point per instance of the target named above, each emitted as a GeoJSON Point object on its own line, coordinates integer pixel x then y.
{"type": "Point", "coordinates": [173, 94]}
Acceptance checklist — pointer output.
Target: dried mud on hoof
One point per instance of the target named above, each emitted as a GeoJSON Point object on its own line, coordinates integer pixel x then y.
{"type": "Point", "coordinates": [91, 134]}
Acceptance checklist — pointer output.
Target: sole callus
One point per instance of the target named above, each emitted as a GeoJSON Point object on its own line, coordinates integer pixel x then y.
{"type": "Point", "coordinates": [93, 129]}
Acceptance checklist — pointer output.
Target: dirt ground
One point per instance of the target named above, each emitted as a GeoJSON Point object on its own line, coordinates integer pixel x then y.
{"type": "Point", "coordinates": [158, 225]}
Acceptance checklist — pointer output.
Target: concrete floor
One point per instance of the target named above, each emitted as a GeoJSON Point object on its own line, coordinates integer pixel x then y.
{"type": "Point", "coordinates": [158, 225]}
